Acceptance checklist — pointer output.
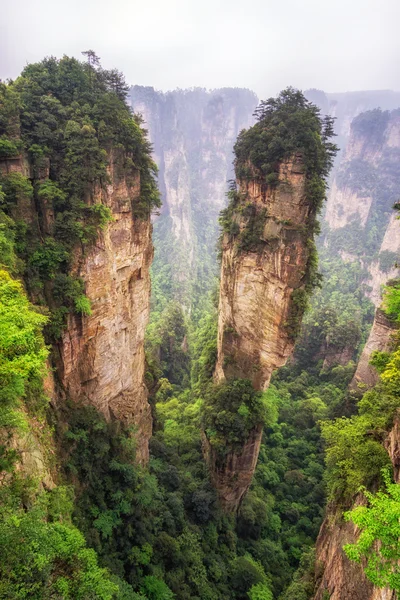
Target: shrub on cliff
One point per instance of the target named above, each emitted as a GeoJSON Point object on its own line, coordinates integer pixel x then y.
{"type": "Point", "coordinates": [232, 410]}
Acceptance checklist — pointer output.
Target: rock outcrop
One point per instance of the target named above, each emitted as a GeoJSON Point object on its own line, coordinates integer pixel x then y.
{"type": "Point", "coordinates": [359, 221]}
{"type": "Point", "coordinates": [102, 355]}
{"type": "Point", "coordinates": [379, 339]}
{"type": "Point", "coordinates": [257, 303]}
{"type": "Point", "coordinates": [256, 294]}
{"type": "Point", "coordinates": [340, 578]}
{"type": "Point", "coordinates": [100, 358]}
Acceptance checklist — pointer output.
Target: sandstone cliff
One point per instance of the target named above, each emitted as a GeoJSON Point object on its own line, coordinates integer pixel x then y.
{"type": "Point", "coordinates": [259, 304]}
{"type": "Point", "coordinates": [100, 358]}
{"type": "Point", "coordinates": [366, 376]}
{"type": "Point", "coordinates": [193, 133]}
{"type": "Point", "coordinates": [340, 578]}
{"type": "Point", "coordinates": [256, 294]}
{"type": "Point", "coordinates": [359, 220]}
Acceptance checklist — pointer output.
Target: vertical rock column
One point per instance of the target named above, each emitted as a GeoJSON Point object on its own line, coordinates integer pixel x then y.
{"type": "Point", "coordinates": [102, 355]}
{"type": "Point", "coordinates": [260, 303]}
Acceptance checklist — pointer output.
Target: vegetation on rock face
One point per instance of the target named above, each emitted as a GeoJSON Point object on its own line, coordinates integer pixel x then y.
{"type": "Point", "coordinates": [232, 410]}
{"type": "Point", "coordinates": [379, 541]}
{"type": "Point", "coordinates": [287, 127]}
{"type": "Point", "coordinates": [42, 554]}
{"type": "Point", "coordinates": [159, 534]}
{"type": "Point", "coordinates": [355, 454]}
{"type": "Point", "coordinates": [67, 122]}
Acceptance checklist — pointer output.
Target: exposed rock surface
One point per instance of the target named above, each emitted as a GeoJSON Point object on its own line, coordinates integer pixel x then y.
{"type": "Point", "coordinates": [256, 287]}
{"type": "Point", "coordinates": [102, 355]}
{"type": "Point", "coordinates": [366, 376]}
{"type": "Point", "coordinates": [342, 578]}
{"type": "Point", "coordinates": [232, 479]}
{"type": "Point", "coordinates": [255, 305]}
{"type": "Point", "coordinates": [100, 358]}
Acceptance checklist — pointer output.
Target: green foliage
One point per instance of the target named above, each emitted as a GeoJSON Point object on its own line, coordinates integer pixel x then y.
{"type": "Point", "coordinates": [355, 454]}
{"type": "Point", "coordinates": [72, 121]}
{"type": "Point", "coordinates": [43, 555]}
{"type": "Point", "coordinates": [286, 125]}
{"type": "Point", "coordinates": [303, 584]}
{"type": "Point", "coordinates": [232, 410]}
{"type": "Point", "coordinates": [167, 345]}
{"type": "Point", "coordinates": [260, 591]}
{"type": "Point", "coordinates": [8, 148]}
{"type": "Point", "coordinates": [378, 546]}
{"type": "Point", "coordinates": [22, 353]}
{"type": "Point", "coordinates": [391, 300]}
{"type": "Point", "coordinates": [155, 589]}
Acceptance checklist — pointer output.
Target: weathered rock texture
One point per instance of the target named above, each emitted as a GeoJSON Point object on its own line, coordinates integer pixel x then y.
{"type": "Point", "coordinates": [193, 133]}
{"type": "Point", "coordinates": [341, 578]}
{"type": "Point", "coordinates": [100, 358]}
{"type": "Point", "coordinates": [256, 287]}
{"type": "Point", "coordinates": [102, 355]}
{"type": "Point", "coordinates": [255, 306]}
{"type": "Point", "coordinates": [232, 477]}
{"type": "Point", "coordinates": [380, 338]}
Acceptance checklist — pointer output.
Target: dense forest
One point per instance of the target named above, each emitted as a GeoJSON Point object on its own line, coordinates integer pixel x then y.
{"type": "Point", "coordinates": [93, 524]}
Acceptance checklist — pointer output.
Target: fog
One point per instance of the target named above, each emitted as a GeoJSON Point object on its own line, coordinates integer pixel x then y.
{"type": "Point", "coordinates": [263, 45]}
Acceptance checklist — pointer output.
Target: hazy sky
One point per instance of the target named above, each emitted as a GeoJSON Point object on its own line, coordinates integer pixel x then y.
{"type": "Point", "coordinates": [264, 45]}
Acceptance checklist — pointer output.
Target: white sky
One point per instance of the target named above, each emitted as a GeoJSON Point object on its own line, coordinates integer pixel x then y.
{"type": "Point", "coordinates": [265, 45]}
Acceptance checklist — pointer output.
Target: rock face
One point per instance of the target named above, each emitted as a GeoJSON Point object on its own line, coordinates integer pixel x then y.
{"type": "Point", "coordinates": [100, 358]}
{"type": "Point", "coordinates": [256, 287]}
{"type": "Point", "coordinates": [255, 306]}
{"type": "Point", "coordinates": [359, 220]}
{"type": "Point", "coordinates": [366, 376]}
{"type": "Point", "coordinates": [102, 355]}
{"type": "Point", "coordinates": [367, 179]}
{"type": "Point", "coordinates": [193, 133]}
{"type": "Point", "coordinates": [233, 477]}
{"type": "Point", "coordinates": [341, 578]}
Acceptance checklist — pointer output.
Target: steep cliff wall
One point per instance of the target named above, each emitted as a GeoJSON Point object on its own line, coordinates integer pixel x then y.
{"type": "Point", "coordinates": [256, 294]}
{"type": "Point", "coordinates": [79, 193]}
{"type": "Point", "coordinates": [268, 264]}
{"type": "Point", "coordinates": [341, 578]}
{"type": "Point", "coordinates": [192, 132]}
{"type": "Point", "coordinates": [379, 339]}
{"type": "Point", "coordinates": [102, 358]}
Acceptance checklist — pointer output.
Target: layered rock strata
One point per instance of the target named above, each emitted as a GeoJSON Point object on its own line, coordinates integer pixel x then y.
{"type": "Point", "coordinates": [192, 133]}
{"type": "Point", "coordinates": [100, 357]}
{"type": "Point", "coordinates": [256, 305]}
